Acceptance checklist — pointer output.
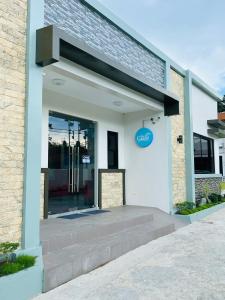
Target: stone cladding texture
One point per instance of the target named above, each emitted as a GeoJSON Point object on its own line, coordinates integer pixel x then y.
{"type": "Point", "coordinates": [211, 182]}
{"type": "Point", "coordinates": [112, 189]}
{"type": "Point", "coordinates": [79, 20]}
{"type": "Point", "coordinates": [12, 102]}
{"type": "Point", "coordinates": [178, 150]}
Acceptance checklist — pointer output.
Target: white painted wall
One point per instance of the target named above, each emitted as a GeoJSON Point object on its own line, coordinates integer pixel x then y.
{"type": "Point", "coordinates": [204, 108]}
{"type": "Point", "coordinates": [147, 181]}
{"type": "Point", "coordinates": [106, 120]}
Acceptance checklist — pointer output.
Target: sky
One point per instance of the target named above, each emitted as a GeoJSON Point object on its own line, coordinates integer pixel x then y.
{"type": "Point", "coordinates": [191, 32]}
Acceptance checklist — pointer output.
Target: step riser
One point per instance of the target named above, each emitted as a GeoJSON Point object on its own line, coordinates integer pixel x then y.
{"type": "Point", "coordinates": [65, 240]}
{"type": "Point", "coordinates": [100, 256]}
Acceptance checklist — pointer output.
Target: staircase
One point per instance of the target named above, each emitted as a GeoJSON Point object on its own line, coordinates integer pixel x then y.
{"type": "Point", "coordinates": [72, 247]}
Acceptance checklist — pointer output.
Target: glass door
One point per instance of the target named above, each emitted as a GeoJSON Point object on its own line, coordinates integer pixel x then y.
{"type": "Point", "coordinates": [71, 164]}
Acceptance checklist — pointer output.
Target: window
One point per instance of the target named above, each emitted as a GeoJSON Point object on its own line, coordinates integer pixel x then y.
{"type": "Point", "coordinates": [221, 164]}
{"type": "Point", "coordinates": [203, 154]}
{"type": "Point", "coordinates": [112, 150]}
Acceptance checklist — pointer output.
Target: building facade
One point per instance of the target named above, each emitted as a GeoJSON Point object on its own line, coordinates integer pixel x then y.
{"type": "Point", "coordinates": [77, 85]}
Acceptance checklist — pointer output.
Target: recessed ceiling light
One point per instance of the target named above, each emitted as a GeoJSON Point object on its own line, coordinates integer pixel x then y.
{"type": "Point", "coordinates": [117, 103]}
{"type": "Point", "coordinates": [58, 81]}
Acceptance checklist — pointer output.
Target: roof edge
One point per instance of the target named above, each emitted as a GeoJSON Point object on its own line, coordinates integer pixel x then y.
{"type": "Point", "coordinates": [53, 43]}
{"type": "Point", "coordinates": [115, 20]}
{"type": "Point", "coordinates": [197, 81]}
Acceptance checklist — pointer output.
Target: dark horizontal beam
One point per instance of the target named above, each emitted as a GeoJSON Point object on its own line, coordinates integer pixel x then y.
{"type": "Point", "coordinates": [216, 124]}
{"type": "Point", "coordinates": [217, 132]}
{"type": "Point", "coordinates": [53, 42]}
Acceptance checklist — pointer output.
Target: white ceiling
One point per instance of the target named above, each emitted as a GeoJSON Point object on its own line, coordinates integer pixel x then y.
{"type": "Point", "coordinates": [105, 94]}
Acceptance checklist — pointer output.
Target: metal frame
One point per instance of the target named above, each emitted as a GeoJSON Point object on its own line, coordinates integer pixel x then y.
{"type": "Point", "coordinates": [213, 154]}
{"type": "Point", "coordinates": [45, 170]}
{"type": "Point", "coordinates": [45, 208]}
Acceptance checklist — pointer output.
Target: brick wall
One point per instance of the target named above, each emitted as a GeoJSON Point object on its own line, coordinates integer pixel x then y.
{"type": "Point", "coordinates": [79, 20]}
{"type": "Point", "coordinates": [178, 150]}
{"type": "Point", "coordinates": [12, 101]}
{"type": "Point", "coordinates": [211, 182]}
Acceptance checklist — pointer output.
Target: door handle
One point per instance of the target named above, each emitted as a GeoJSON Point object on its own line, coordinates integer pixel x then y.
{"type": "Point", "coordinates": [73, 165]}
{"type": "Point", "coordinates": [73, 170]}
{"type": "Point", "coordinates": [78, 169]}
{"type": "Point", "coordinates": [69, 170]}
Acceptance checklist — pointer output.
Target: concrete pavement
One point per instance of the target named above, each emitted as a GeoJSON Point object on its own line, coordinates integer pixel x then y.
{"type": "Point", "coordinates": [187, 264]}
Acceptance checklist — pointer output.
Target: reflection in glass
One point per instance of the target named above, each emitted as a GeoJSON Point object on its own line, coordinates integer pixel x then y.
{"type": "Point", "coordinates": [71, 163]}
{"type": "Point", "coordinates": [203, 154]}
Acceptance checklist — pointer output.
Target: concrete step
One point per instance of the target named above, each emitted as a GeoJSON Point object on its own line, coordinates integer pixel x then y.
{"type": "Point", "coordinates": [87, 229]}
{"type": "Point", "coordinates": [72, 261]}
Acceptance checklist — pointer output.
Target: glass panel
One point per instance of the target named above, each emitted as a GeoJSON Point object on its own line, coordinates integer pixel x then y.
{"type": "Point", "coordinates": [71, 163]}
{"type": "Point", "coordinates": [205, 148]}
{"type": "Point", "coordinates": [197, 146]}
{"type": "Point", "coordinates": [203, 154]}
{"type": "Point", "coordinates": [112, 150]}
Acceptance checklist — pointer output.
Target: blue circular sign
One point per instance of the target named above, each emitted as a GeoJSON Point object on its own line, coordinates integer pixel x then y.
{"type": "Point", "coordinates": [144, 137]}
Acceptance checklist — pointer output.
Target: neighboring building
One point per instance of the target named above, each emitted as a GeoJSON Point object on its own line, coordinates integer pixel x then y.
{"type": "Point", "coordinates": [221, 117]}
{"type": "Point", "coordinates": [73, 96]}
{"type": "Point", "coordinates": [208, 134]}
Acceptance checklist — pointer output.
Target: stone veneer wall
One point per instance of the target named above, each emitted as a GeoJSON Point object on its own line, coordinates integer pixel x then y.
{"type": "Point", "coordinates": [112, 189]}
{"type": "Point", "coordinates": [78, 19]}
{"type": "Point", "coordinates": [12, 103]}
{"type": "Point", "coordinates": [211, 182]}
{"type": "Point", "coordinates": [178, 150]}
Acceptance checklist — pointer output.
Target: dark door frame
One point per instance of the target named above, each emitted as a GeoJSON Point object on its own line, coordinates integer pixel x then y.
{"type": "Point", "coordinates": [46, 170]}
{"type": "Point", "coordinates": [221, 164]}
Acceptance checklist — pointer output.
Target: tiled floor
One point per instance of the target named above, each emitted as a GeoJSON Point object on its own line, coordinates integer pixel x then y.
{"type": "Point", "coordinates": [74, 246]}
{"type": "Point", "coordinates": [188, 264]}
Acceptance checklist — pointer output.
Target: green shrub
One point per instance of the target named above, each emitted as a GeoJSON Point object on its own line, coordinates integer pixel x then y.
{"type": "Point", "coordinates": [222, 186]}
{"type": "Point", "coordinates": [6, 248]}
{"type": "Point", "coordinates": [199, 208]}
{"type": "Point", "coordinates": [185, 212]}
{"type": "Point", "coordinates": [9, 268]}
{"type": "Point", "coordinates": [22, 262]}
{"type": "Point", "coordinates": [6, 251]}
{"type": "Point", "coordinates": [206, 191]}
{"type": "Point", "coordinates": [186, 205]}
{"type": "Point", "coordinates": [26, 261]}
{"type": "Point", "coordinates": [214, 198]}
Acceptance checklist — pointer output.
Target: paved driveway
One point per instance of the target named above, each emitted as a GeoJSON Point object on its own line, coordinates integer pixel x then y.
{"type": "Point", "coordinates": [188, 264]}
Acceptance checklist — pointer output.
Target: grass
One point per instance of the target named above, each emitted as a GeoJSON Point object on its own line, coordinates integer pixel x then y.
{"type": "Point", "coordinates": [197, 209]}
{"type": "Point", "coordinates": [21, 262]}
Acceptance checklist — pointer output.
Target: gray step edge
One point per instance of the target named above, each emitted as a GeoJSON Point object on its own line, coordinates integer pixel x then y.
{"type": "Point", "coordinates": [64, 240]}
{"type": "Point", "coordinates": [110, 250]}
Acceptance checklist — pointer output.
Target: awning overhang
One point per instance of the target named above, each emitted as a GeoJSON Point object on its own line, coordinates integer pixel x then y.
{"type": "Point", "coordinates": [216, 124]}
{"type": "Point", "coordinates": [53, 43]}
{"type": "Point", "coordinates": [220, 134]}
{"type": "Point", "coordinates": [217, 128]}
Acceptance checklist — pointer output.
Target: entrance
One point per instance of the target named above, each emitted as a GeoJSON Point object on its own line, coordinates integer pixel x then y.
{"type": "Point", "coordinates": [71, 164]}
